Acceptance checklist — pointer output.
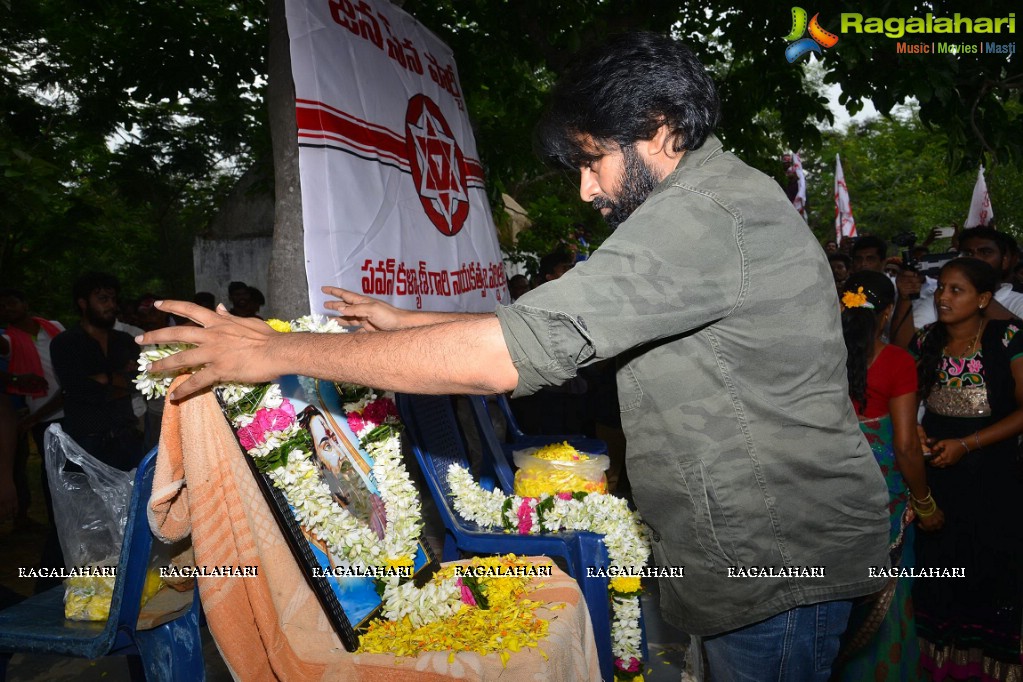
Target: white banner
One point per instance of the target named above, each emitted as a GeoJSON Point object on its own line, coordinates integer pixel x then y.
{"type": "Point", "coordinates": [981, 212]}
{"type": "Point", "coordinates": [845, 226]}
{"type": "Point", "coordinates": [392, 188]}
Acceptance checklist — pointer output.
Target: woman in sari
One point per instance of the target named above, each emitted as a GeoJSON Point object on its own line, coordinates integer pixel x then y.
{"type": "Point", "coordinates": [970, 369]}
{"type": "Point", "coordinates": [883, 388]}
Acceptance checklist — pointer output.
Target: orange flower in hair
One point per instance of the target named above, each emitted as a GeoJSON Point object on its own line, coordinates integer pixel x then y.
{"type": "Point", "coordinates": [856, 299]}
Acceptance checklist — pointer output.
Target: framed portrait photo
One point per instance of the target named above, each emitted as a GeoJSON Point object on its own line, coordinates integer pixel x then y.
{"type": "Point", "coordinates": [344, 466]}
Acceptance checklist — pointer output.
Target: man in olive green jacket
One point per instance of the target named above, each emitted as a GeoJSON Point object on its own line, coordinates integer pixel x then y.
{"type": "Point", "coordinates": [744, 452]}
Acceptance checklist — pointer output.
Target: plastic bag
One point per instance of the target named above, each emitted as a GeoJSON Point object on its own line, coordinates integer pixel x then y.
{"type": "Point", "coordinates": [90, 508]}
{"type": "Point", "coordinates": [538, 476]}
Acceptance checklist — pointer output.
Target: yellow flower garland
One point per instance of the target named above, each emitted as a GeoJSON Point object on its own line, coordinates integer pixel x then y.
{"type": "Point", "coordinates": [279, 325]}
{"type": "Point", "coordinates": [509, 625]}
{"type": "Point", "coordinates": [557, 478]}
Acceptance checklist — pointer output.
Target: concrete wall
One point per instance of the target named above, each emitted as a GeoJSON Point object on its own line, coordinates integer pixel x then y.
{"type": "Point", "coordinates": [218, 262]}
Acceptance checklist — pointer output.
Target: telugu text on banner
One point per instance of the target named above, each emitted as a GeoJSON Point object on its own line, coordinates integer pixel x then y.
{"type": "Point", "coordinates": [393, 201]}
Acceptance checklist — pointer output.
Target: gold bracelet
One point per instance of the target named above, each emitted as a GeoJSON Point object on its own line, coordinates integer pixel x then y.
{"type": "Point", "coordinates": [965, 446]}
{"type": "Point", "coordinates": [925, 498]}
{"type": "Point", "coordinates": [930, 504]}
{"type": "Point", "coordinates": [927, 514]}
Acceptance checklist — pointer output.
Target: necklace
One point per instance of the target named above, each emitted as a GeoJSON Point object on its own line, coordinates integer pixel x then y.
{"type": "Point", "coordinates": [969, 349]}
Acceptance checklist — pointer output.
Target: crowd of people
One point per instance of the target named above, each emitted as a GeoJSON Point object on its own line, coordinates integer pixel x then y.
{"type": "Point", "coordinates": [935, 369]}
{"type": "Point", "coordinates": [81, 378]}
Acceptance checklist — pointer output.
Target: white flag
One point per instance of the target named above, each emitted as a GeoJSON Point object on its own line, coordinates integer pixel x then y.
{"type": "Point", "coordinates": [845, 226]}
{"type": "Point", "coordinates": [799, 201]}
{"type": "Point", "coordinates": [981, 212]}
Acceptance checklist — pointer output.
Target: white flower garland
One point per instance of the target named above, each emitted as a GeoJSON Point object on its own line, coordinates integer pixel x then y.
{"type": "Point", "coordinates": [350, 538]}
{"type": "Point", "coordinates": [610, 516]}
{"type": "Point", "coordinates": [313, 504]}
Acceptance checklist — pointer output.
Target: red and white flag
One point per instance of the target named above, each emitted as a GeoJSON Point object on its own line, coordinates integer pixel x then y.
{"type": "Point", "coordinates": [799, 201]}
{"type": "Point", "coordinates": [845, 225]}
{"type": "Point", "coordinates": [981, 212]}
{"type": "Point", "coordinates": [393, 202]}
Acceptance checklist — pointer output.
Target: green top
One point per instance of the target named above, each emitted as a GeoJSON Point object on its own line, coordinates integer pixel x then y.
{"type": "Point", "coordinates": [743, 446]}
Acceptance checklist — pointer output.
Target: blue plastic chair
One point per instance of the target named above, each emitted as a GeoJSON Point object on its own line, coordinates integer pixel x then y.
{"type": "Point", "coordinates": [437, 443]}
{"type": "Point", "coordinates": [497, 465]}
{"type": "Point", "coordinates": [520, 441]}
{"type": "Point", "coordinates": [172, 651]}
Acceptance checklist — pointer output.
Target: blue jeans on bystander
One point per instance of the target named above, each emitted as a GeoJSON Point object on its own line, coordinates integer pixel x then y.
{"type": "Point", "coordinates": [798, 645]}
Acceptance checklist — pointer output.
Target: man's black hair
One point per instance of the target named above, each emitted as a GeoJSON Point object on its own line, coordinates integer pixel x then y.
{"type": "Point", "coordinates": [553, 260]}
{"type": "Point", "coordinates": [236, 286]}
{"type": "Point", "coordinates": [623, 92]}
{"type": "Point", "coordinates": [1006, 243]}
{"type": "Point", "coordinates": [206, 299]}
{"type": "Point", "coordinates": [842, 257]}
{"type": "Point", "coordinates": [90, 282]}
{"type": "Point", "coordinates": [870, 242]}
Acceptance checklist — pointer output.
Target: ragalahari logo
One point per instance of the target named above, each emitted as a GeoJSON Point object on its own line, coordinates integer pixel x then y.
{"type": "Point", "coordinates": [818, 36]}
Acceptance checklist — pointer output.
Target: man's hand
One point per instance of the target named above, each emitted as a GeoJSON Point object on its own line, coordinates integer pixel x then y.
{"type": "Point", "coordinates": [228, 348]}
{"type": "Point", "coordinates": [908, 283]}
{"type": "Point", "coordinates": [371, 314]}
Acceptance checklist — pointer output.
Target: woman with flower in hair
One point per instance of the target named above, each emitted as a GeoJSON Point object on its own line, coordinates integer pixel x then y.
{"type": "Point", "coordinates": [970, 369]}
{"type": "Point", "coordinates": [881, 639]}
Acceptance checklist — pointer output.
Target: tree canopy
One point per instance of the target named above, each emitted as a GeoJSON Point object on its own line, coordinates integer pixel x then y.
{"type": "Point", "coordinates": [895, 169]}
{"type": "Point", "coordinates": [124, 124]}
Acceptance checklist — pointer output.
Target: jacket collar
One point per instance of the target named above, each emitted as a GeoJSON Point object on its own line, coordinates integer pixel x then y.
{"type": "Point", "coordinates": [692, 159]}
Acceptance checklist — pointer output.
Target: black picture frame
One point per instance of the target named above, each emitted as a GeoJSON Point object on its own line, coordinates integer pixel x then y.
{"type": "Point", "coordinates": [350, 603]}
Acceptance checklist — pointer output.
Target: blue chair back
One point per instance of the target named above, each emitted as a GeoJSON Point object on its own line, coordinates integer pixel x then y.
{"type": "Point", "coordinates": [436, 441]}
{"type": "Point", "coordinates": [514, 432]}
{"type": "Point", "coordinates": [520, 441]}
{"type": "Point", "coordinates": [171, 651]}
{"type": "Point", "coordinates": [493, 448]}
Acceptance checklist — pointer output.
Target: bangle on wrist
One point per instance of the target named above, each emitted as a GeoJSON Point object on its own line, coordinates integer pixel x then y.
{"type": "Point", "coordinates": [923, 500]}
{"type": "Point", "coordinates": [965, 446]}
{"type": "Point", "coordinates": [976, 437]}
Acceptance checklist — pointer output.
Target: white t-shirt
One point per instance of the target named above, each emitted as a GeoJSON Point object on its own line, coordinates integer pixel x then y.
{"type": "Point", "coordinates": [1012, 300]}
{"type": "Point", "coordinates": [42, 344]}
{"type": "Point", "coordinates": [924, 312]}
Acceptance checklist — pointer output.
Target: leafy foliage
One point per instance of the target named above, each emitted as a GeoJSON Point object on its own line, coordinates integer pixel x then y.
{"type": "Point", "coordinates": [123, 124]}
{"type": "Point", "coordinates": [899, 181]}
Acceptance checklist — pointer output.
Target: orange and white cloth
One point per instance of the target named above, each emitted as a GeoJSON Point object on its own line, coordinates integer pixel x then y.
{"type": "Point", "coordinates": [270, 626]}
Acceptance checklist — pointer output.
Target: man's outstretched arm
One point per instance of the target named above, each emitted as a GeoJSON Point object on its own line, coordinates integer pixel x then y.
{"type": "Point", "coordinates": [468, 355]}
{"type": "Point", "coordinates": [373, 315]}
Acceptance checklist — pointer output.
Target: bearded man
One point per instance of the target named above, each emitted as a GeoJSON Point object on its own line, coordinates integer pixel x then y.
{"type": "Point", "coordinates": [95, 364]}
{"type": "Point", "coordinates": [743, 449]}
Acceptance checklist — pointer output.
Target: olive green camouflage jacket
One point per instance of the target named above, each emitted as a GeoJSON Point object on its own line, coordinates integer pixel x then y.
{"type": "Point", "coordinates": [744, 453]}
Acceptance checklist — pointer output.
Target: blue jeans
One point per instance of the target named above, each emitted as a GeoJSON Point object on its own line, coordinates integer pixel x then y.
{"type": "Point", "coordinates": [795, 646]}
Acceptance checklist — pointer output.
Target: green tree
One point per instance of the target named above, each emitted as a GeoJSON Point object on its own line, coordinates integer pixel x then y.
{"type": "Point", "coordinates": [899, 181]}
{"type": "Point", "coordinates": [123, 123]}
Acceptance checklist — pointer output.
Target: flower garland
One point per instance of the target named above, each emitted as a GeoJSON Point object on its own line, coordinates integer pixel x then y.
{"type": "Point", "coordinates": [627, 546]}
{"type": "Point", "coordinates": [268, 431]}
